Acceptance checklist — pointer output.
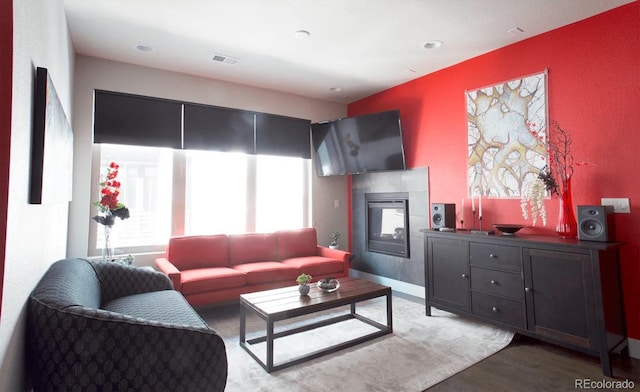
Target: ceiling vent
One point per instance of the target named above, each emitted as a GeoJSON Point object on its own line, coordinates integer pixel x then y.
{"type": "Point", "coordinates": [516, 31]}
{"type": "Point", "coordinates": [221, 58]}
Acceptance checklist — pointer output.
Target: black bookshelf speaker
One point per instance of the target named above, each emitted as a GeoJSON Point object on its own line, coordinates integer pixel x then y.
{"type": "Point", "coordinates": [595, 223]}
{"type": "Point", "coordinates": [443, 215]}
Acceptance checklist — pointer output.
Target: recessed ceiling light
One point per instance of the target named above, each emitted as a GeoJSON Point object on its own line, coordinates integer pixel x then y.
{"type": "Point", "coordinates": [335, 89]}
{"type": "Point", "coordinates": [433, 44]}
{"type": "Point", "coordinates": [302, 34]}
{"type": "Point", "coordinates": [145, 48]}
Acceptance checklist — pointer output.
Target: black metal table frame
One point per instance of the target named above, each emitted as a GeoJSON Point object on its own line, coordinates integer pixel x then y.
{"type": "Point", "coordinates": [270, 336]}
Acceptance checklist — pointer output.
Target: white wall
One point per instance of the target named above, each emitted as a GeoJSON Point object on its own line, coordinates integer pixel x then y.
{"type": "Point", "coordinates": [93, 73]}
{"type": "Point", "coordinates": [36, 234]}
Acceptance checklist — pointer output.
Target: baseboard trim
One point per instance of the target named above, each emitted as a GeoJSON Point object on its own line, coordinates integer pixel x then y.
{"type": "Point", "coordinates": [398, 285]}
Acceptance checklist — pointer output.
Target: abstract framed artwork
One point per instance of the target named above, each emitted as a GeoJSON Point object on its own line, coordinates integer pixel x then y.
{"type": "Point", "coordinates": [507, 136]}
{"type": "Point", "coordinates": [51, 146]}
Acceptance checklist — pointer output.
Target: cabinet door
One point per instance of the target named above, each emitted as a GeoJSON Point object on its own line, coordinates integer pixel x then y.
{"type": "Point", "coordinates": [448, 273]}
{"type": "Point", "coordinates": [559, 295]}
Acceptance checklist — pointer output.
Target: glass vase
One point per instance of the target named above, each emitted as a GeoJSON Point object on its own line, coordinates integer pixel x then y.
{"type": "Point", "coordinates": [567, 226]}
{"type": "Point", "coordinates": [107, 249]}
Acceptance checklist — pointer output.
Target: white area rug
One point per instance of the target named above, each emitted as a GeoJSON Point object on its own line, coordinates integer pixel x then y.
{"type": "Point", "coordinates": [420, 352]}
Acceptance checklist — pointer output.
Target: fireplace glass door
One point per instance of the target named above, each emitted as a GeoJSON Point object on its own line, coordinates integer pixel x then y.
{"type": "Point", "coordinates": [387, 225]}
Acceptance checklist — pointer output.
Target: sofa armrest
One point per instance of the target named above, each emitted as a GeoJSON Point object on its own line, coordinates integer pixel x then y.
{"type": "Point", "coordinates": [166, 267]}
{"type": "Point", "coordinates": [337, 254]}
{"type": "Point", "coordinates": [100, 344]}
{"type": "Point", "coordinates": [119, 280]}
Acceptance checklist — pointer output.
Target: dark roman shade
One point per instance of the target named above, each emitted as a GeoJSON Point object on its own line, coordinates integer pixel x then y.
{"type": "Point", "coordinates": [284, 136]}
{"type": "Point", "coordinates": [145, 121]}
{"type": "Point", "coordinates": [137, 120]}
{"type": "Point", "coordinates": [218, 129]}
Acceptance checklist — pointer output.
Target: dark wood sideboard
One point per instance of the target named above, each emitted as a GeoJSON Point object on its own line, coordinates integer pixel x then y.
{"type": "Point", "coordinates": [566, 292]}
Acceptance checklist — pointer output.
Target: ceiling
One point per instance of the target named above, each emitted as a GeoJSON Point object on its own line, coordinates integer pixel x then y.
{"type": "Point", "coordinates": [354, 48]}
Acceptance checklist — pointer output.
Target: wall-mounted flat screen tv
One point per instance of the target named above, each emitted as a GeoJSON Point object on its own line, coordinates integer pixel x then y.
{"type": "Point", "coordinates": [367, 143]}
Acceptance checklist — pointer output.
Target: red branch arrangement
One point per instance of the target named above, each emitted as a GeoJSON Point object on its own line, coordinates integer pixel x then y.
{"type": "Point", "coordinates": [560, 155]}
{"type": "Point", "coordinates": [109, 206]}
{"type": "Point", "coordinates": [556, 175]}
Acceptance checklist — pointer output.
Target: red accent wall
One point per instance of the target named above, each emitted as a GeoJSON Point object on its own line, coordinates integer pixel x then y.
{"type": "Point", "coordinates": [6, 77]}
{"type": "Point", "coordinates": [594, 91]}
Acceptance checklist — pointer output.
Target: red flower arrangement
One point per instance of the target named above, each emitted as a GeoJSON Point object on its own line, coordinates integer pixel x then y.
{"type": "Point", "coordinates": [109, 206]}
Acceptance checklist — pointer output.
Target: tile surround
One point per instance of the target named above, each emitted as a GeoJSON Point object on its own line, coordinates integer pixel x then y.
{"type": "Point", "coordinates": [416, 183]}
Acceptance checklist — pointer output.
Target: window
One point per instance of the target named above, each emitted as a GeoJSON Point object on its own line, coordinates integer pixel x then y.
{"type": "Point", "coordinates": [146, 174]}
{"type": "Point", "coordinates": [216, 193]}
{"type": "Point", "coordinates": [281, 191]}
{"type": "Point", "coordinates": [173, 192]}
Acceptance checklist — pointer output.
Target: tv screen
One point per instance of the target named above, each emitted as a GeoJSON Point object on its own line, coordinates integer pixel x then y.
{"type": "Point", "coordinates": [367, 143]}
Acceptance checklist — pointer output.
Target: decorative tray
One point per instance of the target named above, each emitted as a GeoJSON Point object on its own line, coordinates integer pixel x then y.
{"type": "Point", "coordinates": [507, 229]}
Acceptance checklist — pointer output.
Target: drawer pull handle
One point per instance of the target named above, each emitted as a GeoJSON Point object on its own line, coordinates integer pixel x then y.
{"type": "Point", "coordinates": [493, 282]}
{"type": "Point", "coordinates": [464, 275]}
{"type": "Point", "coordinates": [491, 255]}
{"type": "Point", "coordinates": [527, 289]}
{"type": "Point", "coordinates": [495, 309]}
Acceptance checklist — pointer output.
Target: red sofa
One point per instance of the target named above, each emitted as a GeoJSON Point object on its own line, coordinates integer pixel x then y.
{"type": "Point", "coordinates": [218, 268]}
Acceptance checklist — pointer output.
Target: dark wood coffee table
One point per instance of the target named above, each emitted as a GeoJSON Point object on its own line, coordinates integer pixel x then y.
{"type": "Point", "coordinates": [285, 303]}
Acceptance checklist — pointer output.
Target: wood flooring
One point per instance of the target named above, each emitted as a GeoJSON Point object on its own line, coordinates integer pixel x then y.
{"type": "Point", "coordinates": [528, 364]}
{"type": "Point", "coordinates": [531, 365]}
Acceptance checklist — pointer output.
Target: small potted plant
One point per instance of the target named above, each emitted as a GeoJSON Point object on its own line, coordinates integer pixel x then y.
{"type": "Point", "coordinates": [334, 240]}
{"type": "Point", "coordinates": [303, 283]}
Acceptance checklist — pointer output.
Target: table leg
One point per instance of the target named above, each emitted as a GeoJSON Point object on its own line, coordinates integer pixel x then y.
{"type": "Point", "coordinates": [605, 363]}
{"type": "Point", "coordinates": [243, 324]}
{"type": "Point", "coordinates": [389, 312]}
{"type": "Point", "coordinates": [269, 346]}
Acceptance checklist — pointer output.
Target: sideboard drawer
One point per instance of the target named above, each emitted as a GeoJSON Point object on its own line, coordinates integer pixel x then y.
{"type": "Point", "coordinates": [495, 256]}
{"type": "Point", "coordinates": [502, 310]}
{"type": "Point", "coordinates": [504, 284]}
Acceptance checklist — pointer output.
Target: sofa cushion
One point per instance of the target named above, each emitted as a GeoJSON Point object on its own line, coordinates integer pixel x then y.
{"type": "Point", "coordinates": [165, 306]}
{"type": "Point", "coordinates": [316, 265]}
{"type": "Point", "coordinates": [268, 271]}
{"type": "Point", "coordinates": [208, 279]}
{"type": "Point", "coordinates": [296, 243]}
{"type": "Point", "coordinates": [201, 251]}
{"type": "Point", "coordinates": [247, 248]}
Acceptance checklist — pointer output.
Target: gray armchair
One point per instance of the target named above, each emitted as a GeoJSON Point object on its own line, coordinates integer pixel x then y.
{"type": "Point", "coordinates": [104, 326]}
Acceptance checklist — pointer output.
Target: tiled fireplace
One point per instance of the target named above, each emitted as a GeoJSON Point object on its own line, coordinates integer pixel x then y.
{"type": "Point", "coordinates": [400, 199]}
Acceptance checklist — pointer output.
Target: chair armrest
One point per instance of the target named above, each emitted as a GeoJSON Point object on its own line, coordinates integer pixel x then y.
{"type": "Point", "coordinates": [119, 280]}
{"type": "Point", "coordinates": [171, 271]}
{"type": "Point", "coordinates": [337, 254]}
{"type": "Point", "coordinates": [158, 356]}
